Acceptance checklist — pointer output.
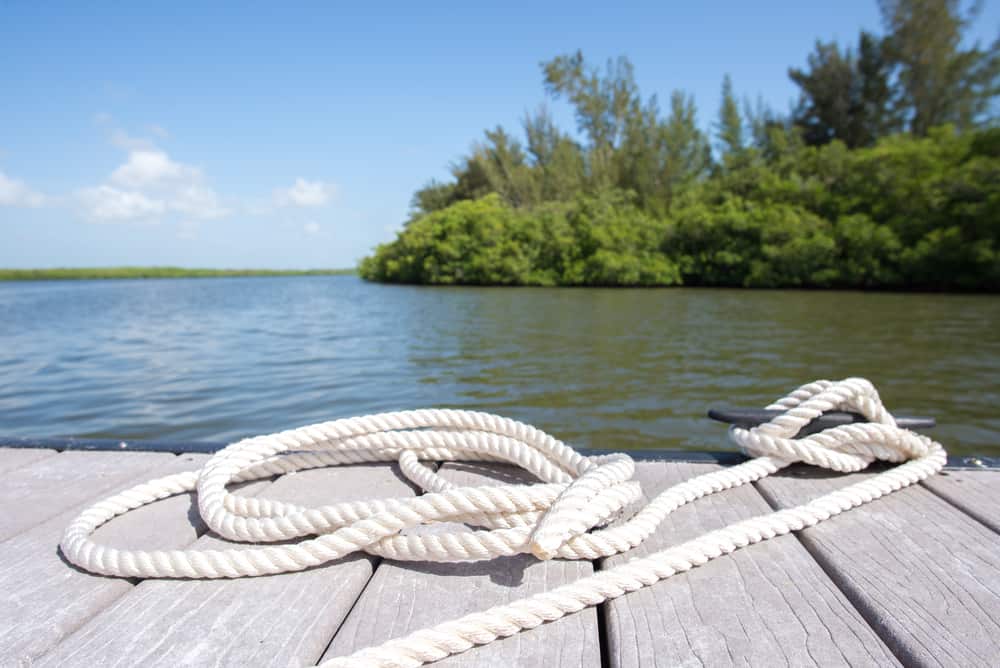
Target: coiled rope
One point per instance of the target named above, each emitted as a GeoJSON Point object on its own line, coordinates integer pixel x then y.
{"type": "Point", "coordinates": [566, 516]}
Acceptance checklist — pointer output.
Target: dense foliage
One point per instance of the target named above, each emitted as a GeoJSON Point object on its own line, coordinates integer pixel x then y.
{"type": "Point", "coordinates": [907, 213]}
{"type": "Point", "coordinates": [887, 174]}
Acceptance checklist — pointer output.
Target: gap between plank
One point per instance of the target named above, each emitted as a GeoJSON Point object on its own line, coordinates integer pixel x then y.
{"type": "Point", "coordinates": [376, 564]}
{"type": "Point", "coordinates": [602, 628]}
{"type": "Point", "coordinates": [840, 583]}
{"type": "Point", "coordinates": [961, 508]}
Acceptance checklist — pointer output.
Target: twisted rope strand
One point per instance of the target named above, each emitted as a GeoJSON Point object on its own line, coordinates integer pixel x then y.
{"type": "Point", "coordinates": [564, 516]}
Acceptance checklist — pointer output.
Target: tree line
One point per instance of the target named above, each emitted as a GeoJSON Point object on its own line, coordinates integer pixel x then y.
{"type": "Point", "coordinates": [885, 174]}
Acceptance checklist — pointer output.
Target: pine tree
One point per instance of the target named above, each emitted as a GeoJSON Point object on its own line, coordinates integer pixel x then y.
{"type": "Point", "coordinates": [844, 96]}
{"type": "Point", "coordinates": [939, 81]}
{"type": "Point", "coordinates": [729, 129]}
{"type": "Point", "coordinates": [875, 117]}
{"type": "Point", "coordinates": [688, 154]}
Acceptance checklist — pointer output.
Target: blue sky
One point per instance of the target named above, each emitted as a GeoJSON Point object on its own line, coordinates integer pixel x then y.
{"type": "Point", "coordinates": [265, 135]}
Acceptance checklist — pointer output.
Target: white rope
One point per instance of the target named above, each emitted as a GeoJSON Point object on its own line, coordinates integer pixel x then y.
{"type": "Point", "coordinates": [566, 516]}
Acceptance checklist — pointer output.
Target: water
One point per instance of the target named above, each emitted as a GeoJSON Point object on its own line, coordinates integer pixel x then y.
{"type": "Point", "coordinates": [219, 359]}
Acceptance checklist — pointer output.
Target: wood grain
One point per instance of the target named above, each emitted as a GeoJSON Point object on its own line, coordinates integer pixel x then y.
{"type": "Point", "coordinates": [977, 493]}
{"type": "Point", "coordinates": [407, 596]}
{"type": "Point", "coordinates": [34, 493]}
{"type": "Point", "coordinates": [768, 604]}
{"type": "Point", "coordinates": [924, 574]}
{"type": "Point", "coordinates": [43, 598]}
{"type": "Point", "coordinates": [911, 578]}
{"type": "Point", "coordinates": [274, 620]}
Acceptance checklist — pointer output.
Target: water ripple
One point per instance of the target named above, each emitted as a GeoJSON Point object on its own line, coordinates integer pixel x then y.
{"type": "Point", "coordinates": [225, 358]}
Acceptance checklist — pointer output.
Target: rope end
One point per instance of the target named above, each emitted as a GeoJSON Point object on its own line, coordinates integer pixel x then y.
{"type": "Point", "coordinates": [545, 551]}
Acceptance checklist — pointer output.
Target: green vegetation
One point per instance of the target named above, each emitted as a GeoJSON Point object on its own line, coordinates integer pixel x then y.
{"type": "Point", "coordinates": [152, 272]}
{"type": "Point", "coordinates": [885, 175]}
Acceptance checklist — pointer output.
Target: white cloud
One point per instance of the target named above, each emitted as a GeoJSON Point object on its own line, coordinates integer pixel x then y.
{"type": "Point", "coordinates": [150, 184]}
{"type": "Point", "coordinates": [17, 193]}
{"type": "Point", "coordinates": [198, 200]}
{"type": "Point", "coordinates": [106, 204]}
{"type": "Point", "coordinates": [305, 193]}
{"type": "Point", "coordinates": [147, 168]}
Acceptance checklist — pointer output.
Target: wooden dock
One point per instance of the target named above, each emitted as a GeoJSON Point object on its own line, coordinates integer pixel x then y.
{"type": "Point", "coordinates": [911, 579]}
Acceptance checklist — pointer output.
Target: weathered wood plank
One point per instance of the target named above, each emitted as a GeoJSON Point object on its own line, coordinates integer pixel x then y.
{"type": "Point", "coordinates": [43, 598]}
{"type": "Point", "coordinates": [15, 458]}
{"type": "Point", "coordinates": [32, 494]}
{"type": "Point", "coordinates": [975, 492]}
{"type": "Point", "coordinates": [924, 574]}
{"type": "Point", "coordinates": [407, 596]}
{"type": "Point", "coordinates": [769, 604]}
{"type": "Point", "coordinates": [277, 620]}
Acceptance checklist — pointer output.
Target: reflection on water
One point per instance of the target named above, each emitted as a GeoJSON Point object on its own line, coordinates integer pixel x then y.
{"type": "Point", "coordinates": [224, 358]}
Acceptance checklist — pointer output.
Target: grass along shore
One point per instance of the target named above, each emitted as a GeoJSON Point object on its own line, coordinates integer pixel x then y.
{"type": "Point", "coordinates": [61, 274]}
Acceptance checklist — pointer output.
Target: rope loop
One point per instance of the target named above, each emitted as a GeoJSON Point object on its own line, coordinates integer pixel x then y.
{"type": "Point", "coordinates": [576, 511]}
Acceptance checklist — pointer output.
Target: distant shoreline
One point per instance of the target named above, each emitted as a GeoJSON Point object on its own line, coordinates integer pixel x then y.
{"type": "Point", "coordinates": [66, 274]}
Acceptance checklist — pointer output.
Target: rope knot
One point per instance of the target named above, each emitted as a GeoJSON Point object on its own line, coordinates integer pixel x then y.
{"type": "Point", "coordinates": [844, 448]}
{"type": "Point", "coordinates": [583, 505]}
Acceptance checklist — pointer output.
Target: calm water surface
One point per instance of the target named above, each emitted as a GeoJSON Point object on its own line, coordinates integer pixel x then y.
{"type": "Point", "coordinates": [219, 359]}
